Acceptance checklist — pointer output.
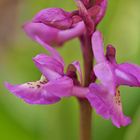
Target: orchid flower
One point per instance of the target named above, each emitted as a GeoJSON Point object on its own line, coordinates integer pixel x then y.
{"type": "Point", "coordinates": [54, 26]}
{"type": "Point", "coordinates": [105, 97]}
{"type": "Point", "coordinates": [53, 85]}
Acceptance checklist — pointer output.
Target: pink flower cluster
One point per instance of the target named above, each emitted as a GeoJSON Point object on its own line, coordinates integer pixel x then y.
{"type": "Point", "coordinates": [53, 27]}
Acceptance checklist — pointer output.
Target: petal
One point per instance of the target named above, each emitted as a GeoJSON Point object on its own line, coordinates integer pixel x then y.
{"type": "Point", "coordinates": [104, 72]}
{"type": "Point", "coordinates": [95, 96]}
{"type": "Point", "coordinates": [107, 105]}
{"type": "Point", "coordinates": [55, 17]}
{"type": "Point", "coordinates": [51, 35]}
{"type": "Point", "coordinates": [33, 93]}
{"type": "Point", "coordinates": [128, 74]}
{"type": "Point", "coordinates": [97, 47]}
{"type": "Point", "coordinates": [46, 33]}
{"type": "Point", "coordinates": [61, 87]}
{"type": "Point", "coordinates": [80, 92]}
{"type": "Point", "coordinates": [76, 31]}
{"type": "Point", "coordinates": [118, 117]}
{"type": "Point", "coordinates": [49, 66]}
{"type": "Point", "coordinates": [52, 51]}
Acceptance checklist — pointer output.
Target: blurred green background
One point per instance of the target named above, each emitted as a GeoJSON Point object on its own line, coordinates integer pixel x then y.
{"type": "Point", "coordinates": [60, 121]}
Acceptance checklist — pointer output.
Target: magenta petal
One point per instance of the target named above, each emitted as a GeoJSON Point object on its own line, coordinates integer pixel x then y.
{"type": "Point", "coordinates": [49, 66]}
{"type": "Point", "coordinates": [44, 32]}
{"type": "Point", "coordinates": [106, 105]}
{"type": "Point", "coordinates": [97, 47]}
{"type": "Point", "coordinates": [76, 31]}
{"type": "Point", "coordinates": [52, 51]}
{"type": "Point", "coordinates": [55, 17]}
{"type": "Point", "coordinates": [80, 92]}
{"type": "Point", "coordinates": [128, 74]}
{"type": "Point", "coordinates": [104, 72]}
{"type": "Point", "coordinates": [119, 119]}
{"type": "Point", "coordinates": [51, 35]}
{"type": "Point", "coordinates": [32, 93]}
{"type": "Point", "coordinates": [95, 96]}
{"type": "Point", "coordinates": [61, 87]}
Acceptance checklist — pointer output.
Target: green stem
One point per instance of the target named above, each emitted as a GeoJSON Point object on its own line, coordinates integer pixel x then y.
{"type": "Point", "coordinates": [85, 119]}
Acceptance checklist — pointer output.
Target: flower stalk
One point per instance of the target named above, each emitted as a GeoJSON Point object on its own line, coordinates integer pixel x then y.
{"type": "Point", "coordinates": [85, 107]}
{"type": "Point", "coordinates": [85, 119]}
